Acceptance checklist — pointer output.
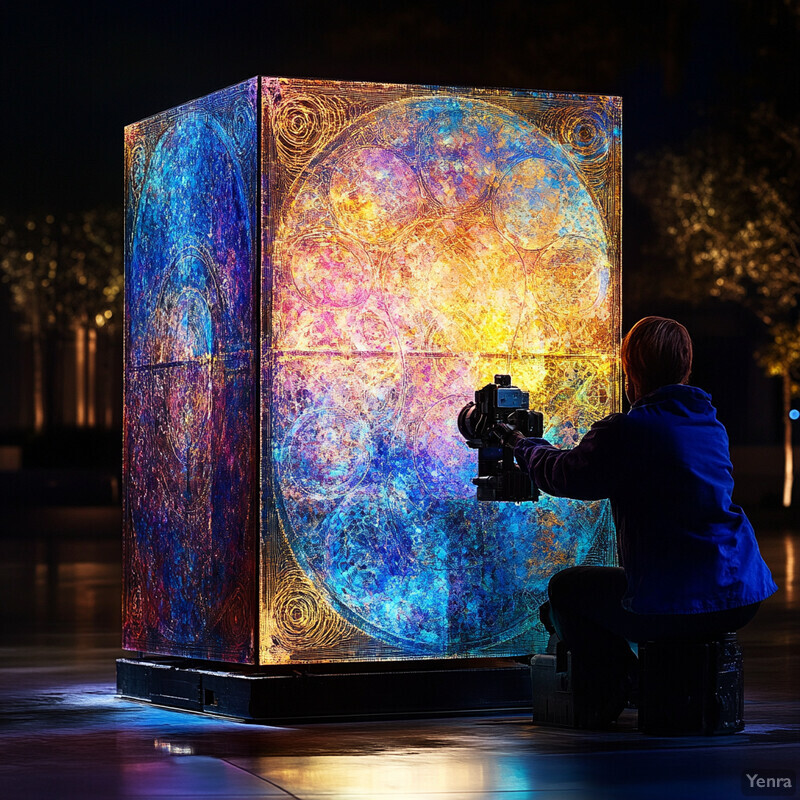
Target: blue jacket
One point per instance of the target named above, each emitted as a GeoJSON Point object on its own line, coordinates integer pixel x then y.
{"type": "Point", "coordinates": [684, 546]}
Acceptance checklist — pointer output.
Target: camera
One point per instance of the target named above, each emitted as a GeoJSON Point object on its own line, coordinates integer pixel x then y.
{"type": "Point", "coordinates": [499, 477]}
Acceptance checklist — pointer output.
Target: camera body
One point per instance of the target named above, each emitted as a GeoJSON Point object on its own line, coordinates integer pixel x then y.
{"type": "Point", "coordinates": [499, 477]}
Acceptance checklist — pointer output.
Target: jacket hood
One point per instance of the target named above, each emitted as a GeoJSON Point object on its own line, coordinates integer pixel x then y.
{"type": "Point", "coordinates": [688, 396]}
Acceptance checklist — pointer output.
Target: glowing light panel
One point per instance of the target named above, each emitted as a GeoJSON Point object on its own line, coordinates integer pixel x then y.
{"type": "Point", "coordinates": [190, 552]}
{"type": "Point", "coordinates": [414, 242]}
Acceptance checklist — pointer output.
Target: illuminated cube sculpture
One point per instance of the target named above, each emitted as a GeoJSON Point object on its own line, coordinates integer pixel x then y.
{"type": "Point", "coordinates": [318, 277]}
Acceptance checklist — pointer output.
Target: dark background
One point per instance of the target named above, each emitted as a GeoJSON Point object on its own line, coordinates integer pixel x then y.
{"type": "Point", "coordinates": [73, 75]}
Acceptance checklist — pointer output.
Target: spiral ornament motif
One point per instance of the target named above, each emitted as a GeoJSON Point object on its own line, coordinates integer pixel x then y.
{"type": "Point", "coordinates": [303, 123]}
{"type": "Point", "coordinates": [302, 620]}
{"type": "Point", "coordinates": [586, 131]}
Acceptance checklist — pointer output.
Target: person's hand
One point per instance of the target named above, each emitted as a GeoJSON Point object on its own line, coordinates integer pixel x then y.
{"type": "Point", "coordinates": [505, 434]}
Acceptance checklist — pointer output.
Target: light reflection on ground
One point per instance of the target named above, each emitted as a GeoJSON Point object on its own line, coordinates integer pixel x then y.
{"type": "Point", "coordinates": [65, 734]}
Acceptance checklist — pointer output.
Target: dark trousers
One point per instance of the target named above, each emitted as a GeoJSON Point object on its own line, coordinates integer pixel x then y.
{"type": "Point", "coordinates": [587, 614]}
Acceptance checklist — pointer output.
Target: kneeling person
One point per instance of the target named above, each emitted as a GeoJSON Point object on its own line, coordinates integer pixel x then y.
{"type": "Point", "coordinates": [689, 562]}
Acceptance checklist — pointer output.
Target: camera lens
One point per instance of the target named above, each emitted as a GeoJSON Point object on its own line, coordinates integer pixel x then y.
{"type": "Point", "coordinates": [468, 420]}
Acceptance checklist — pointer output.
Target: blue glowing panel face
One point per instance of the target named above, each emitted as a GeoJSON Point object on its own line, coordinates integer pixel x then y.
{"type": "Point", "coordinates": [190, 556]}
{"type": "Point", "coordinates": [416, 243]}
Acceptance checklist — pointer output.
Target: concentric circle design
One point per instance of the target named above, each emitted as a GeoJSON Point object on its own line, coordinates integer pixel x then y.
{"type": "Point", "coordinates": [330, 269]}
{"type": "Point", "coordinates": [374, 194]}
{"type": "Point", "coordinates": [303, 123]}
{"type": "Point", "coordinates": [302, 621]}
{"type": "Point", "coordinates": [423, 248]}
{"type": "Point", "coordinates": [571, 277]}
{"type": "Point", "coordinates": [586, 131]}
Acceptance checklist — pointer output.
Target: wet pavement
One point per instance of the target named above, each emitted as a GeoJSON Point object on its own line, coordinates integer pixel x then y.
{"type": "Point", "coordinates": [65, 734]}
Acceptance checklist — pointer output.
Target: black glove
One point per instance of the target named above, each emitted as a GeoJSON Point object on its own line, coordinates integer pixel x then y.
{"type": "Point", "coordinates": [505, 434]}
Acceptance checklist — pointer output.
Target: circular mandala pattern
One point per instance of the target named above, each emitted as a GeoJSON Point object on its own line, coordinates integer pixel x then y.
{"type": "Point", "coordinates": [571, 277]}
{"type": "Point", "coordinates": [417, 240]}
{"type": "Point", "coordinates": [330, 269]}
{"type": "Point", "coordinates": [374, 194]}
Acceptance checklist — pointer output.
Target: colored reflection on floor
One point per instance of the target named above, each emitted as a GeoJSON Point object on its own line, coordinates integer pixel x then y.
{"type": "Point", "coordinates": [64, 733]}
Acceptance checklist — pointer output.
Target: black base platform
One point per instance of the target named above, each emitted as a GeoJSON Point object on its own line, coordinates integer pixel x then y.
{"type": "Point", "coordinates": [327, 693]}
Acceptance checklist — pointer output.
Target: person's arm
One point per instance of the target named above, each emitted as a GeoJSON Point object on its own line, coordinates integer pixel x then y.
{"type": "Point", "coordinates": [587, 472]}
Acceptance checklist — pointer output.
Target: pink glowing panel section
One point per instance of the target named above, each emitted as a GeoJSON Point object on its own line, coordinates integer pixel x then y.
{"type": "Point", "coordinates": [417, 241]}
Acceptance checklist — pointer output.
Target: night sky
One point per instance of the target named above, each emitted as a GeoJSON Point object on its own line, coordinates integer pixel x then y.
{"type": "Point", "coordinates": [73, 75]}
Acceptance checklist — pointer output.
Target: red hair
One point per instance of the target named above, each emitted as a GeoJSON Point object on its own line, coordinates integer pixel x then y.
{"type": "Point", "coordinates": [656, 352]}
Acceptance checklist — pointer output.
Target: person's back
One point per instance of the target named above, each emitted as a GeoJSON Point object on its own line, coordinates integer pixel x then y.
{"type": "Point", "coordinates": [685, 546]}
{"type": "Point", "coordinates": [689, 557]}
